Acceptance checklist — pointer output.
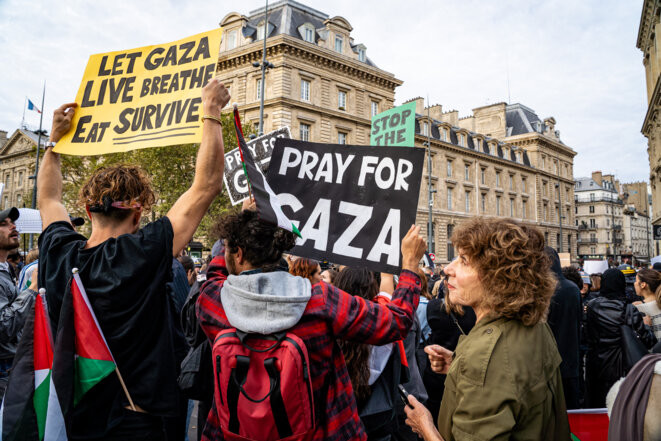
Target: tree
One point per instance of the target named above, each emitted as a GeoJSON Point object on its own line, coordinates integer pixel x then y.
{"type": "Point", "coordinates": [171, 168]}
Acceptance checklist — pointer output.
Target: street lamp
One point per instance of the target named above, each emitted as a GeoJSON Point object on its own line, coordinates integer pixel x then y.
{"type": "Point", "coordinates": [264, 65]}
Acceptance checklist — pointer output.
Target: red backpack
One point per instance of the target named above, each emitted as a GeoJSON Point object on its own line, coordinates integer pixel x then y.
{"type": "Point", "coordinates": [263, 389]}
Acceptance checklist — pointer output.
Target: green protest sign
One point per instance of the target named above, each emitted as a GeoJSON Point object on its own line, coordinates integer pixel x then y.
{"type": "Point", "coordinates": [395, 126]}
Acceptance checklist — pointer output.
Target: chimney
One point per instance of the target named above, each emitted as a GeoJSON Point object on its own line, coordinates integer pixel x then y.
{"type": "Point", "coordinates": [419, 105]}
{"type": "Point", "coordinates": [596, 177]}
{"type": "Point", "coordinates": [435, 112]}
{"type": "Point", "coordinates": [451, 117]}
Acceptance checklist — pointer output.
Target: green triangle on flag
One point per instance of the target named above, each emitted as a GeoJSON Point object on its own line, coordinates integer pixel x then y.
{"type": "Point", "coordinates": [88, 373]}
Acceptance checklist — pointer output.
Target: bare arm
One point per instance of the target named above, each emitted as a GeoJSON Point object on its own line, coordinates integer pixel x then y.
{"type": "Point", "coordinates": [186, 214]}
{"type": "Point", "coordinates": [49, 180]}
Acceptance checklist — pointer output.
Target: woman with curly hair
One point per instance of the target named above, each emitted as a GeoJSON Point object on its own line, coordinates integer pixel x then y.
{"type": "Point", "coordinates": [503, 380]}
{"type": "Point", "coordinates": [306, 268]}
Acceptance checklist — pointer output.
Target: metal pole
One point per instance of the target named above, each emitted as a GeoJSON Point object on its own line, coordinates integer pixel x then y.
{"type": "Point", "coordinates": [25, 104]}
{"type": "Point", "coordinates": [430, 229]}
{"type": "Point", "coordinates": [261, 95]}
{"type": "Point", "coordinates": [36, 163]}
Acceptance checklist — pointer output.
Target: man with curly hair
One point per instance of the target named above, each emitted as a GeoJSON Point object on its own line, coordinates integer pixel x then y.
{"type": "Point", "coordinates": [125, 269]}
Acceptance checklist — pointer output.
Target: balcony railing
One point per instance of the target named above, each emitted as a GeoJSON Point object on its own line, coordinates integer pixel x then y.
{"type": "Point", "coordinates": [584, 227]}
{"type": "Point", "coordinates": [599, 199]}
{"type": "Point", "coordinates": [582, 240]}
{"type": "Point", "coordinates": [617, 227]}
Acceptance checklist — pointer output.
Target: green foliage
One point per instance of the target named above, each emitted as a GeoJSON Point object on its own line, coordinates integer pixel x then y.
{"type": "Point", "coordinates": [171, 168]}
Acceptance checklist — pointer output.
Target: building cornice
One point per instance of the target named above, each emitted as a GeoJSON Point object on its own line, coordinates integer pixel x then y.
{"type": "Point", "coordinates": [294, 104]}
{"type": "Point", "coordinates": [538, 138]}
{"type": "Point", "coordinates": [651, 116]}
{"type": "Point", "coordinates": [319, 56]}
{"type": "Point", "coordinates": [645, 28]}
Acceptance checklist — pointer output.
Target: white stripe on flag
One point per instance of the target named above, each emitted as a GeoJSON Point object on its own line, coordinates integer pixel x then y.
{"type": "Point", "coordinates": [55, 429]}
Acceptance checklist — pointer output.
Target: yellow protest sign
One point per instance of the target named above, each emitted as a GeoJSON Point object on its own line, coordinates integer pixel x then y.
{"type": "Point", "coordinates": [145, 97]}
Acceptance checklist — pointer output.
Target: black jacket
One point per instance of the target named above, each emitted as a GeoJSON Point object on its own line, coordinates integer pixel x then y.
{"type": "Point", "coordinates": [565, 318]}
{"type": "Point", "coordinates": [605, 315]}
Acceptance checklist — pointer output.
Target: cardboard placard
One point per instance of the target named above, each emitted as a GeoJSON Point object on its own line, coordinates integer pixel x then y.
{"type": "Point", "coordinates": [394, 127]}
{"type": "Point", "coordinates": [352, 204]}
{"type": "Point", "coordinates": [145, 97]}
{"type": "Point", "coordinates": [261, 149]}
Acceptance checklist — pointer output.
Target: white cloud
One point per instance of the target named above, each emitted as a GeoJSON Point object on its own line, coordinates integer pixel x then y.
{"type": "Point", "coordinates": [576, 61]}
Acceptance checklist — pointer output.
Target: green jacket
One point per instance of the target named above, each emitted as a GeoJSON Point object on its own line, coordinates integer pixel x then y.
{"type": "Point", "coordinates": [504, 383]}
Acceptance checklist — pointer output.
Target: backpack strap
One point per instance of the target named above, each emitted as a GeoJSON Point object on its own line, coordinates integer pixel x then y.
{"type": "Point", "coordinates": [237, 380]}
{"type": "Point", "coordinates": [277, 404]}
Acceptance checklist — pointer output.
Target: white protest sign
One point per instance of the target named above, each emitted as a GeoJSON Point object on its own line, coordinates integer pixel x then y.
{"type": "Point", "coordinates": [595, 266]}
{"type": "Point", "coordinates": [29, 221]}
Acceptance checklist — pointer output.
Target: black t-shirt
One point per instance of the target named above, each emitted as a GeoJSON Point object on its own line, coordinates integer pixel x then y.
{"type": "Point", "coordinates": [125, 279]}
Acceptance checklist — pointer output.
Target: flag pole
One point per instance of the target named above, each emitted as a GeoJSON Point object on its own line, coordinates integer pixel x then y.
{"type": "Point", "coordinates": [119, 375]}
{"type": "Point", "coordinates": [36, 164]}
{"type": "Point", "coordinates": [25, 104]}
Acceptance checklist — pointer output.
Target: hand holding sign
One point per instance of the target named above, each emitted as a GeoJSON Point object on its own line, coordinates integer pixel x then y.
{"type": "Point", "coordinates": [214, 97]}
{"type": "Point", "coordinates": [413, 248]}
{"type": "Point", "coordinates": [62, 117]}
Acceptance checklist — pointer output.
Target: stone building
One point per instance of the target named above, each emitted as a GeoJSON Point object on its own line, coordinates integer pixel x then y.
{"type": "Point", "coordinates": [637, 235]}
{"type": "Point", "coordinates": [322, 84]}
{"type": "Point", "coordinates": [599, 217]}
{"type": "Point", "coordinates": [649, 42]}
{"type": "Point", "coordinates": [502, 161]}
{"type": "Point", "coordinates": [17, 166]}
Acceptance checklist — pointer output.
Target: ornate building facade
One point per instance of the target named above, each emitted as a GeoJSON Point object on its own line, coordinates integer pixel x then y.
{"type": "Point", "coordinates": [17, 166]}
{"type": "Point", "coordinates": [649, 42]}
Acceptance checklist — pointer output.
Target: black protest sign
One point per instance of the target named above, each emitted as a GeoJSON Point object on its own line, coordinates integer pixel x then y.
{"type": "Point", "coordinates": [352, 204]}
{"type": "Point", "coordinates": [261, 149]}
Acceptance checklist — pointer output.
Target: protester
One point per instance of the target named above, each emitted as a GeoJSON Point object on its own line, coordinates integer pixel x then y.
{"type": "Point", "coordinates": [573, 275]}
{"type": "Point", "coordinates": [190, 268]}
{"type": "Point", "coordinates": [319, 316]}
{"type": "Point", "coordinates": [504, 379]}
{"type": "Point", "coordinates": [329, 275]}
{"type": "Point", "coordinates": [596, 284]}
{"type": "Point", "coordinates": [421, 312]}
{"type": "Point", "coordinates": [14, 305]}
{"type": "Point", "coordinates": [605, 315]}
{"type": "Point", "coordinates": [447, 321]}
{"type": "Point", "coordinates": [647, 286]}
{"type": "Point", "coordinates": [125, 269]}
{"type": "Point", "coordinates": [31, 262]}
{"type": "Point", "coordinates": [306, 268]}
{"type": "Point", "coordinates": [564, 318]}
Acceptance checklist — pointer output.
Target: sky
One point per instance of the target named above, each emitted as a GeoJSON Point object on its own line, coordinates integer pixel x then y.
{"type": "Point", "coordinates": [574, 60]}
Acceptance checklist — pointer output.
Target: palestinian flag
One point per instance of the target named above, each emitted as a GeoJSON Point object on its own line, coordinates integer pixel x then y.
{"type": "Point", "coordinates": [268, 205]}
{"type": "Point", "coordinates": [31, 408]}
{"type": "Point", "coordinates": [93, 360]}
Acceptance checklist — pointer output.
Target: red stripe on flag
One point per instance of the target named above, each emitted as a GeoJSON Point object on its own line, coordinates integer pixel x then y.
{"type": "Point", "coordinates": [43, 346]}
{"type": "Point", "coordinates": [90, 342]}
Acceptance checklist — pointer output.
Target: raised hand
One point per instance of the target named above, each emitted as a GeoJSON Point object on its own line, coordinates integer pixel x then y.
{"type": "Point", "coordinates": [62, 117]}
{"type": "Point", "coordinates": [413, 248]}
{"type": "Point", "coordinates": [215, 96]}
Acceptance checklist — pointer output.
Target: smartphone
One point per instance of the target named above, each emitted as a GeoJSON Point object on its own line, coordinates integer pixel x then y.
{"type": "Point", "coordinates": [404, 395]}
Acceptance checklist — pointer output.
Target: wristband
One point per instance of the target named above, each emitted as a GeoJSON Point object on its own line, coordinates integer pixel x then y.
{"type": "Point", "coordinates": [48, 145]}
{"type": "Point", "coordinates": [218, 120]}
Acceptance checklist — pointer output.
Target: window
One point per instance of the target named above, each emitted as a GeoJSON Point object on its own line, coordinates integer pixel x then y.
{"type": "Point", "coordinates": [483, 174]}
{"type": "Point", "coordinates": [19, 200]}
{"type": "Point", "coordinates": [308, 34]}
{"type": "Point", "coordinates": [545, 188]}
{"type": "Point", "coordinates": [341, 138]}
{"type": "Point", "coordinates": [511, 182]}
{"type": "Point", "coordinates": [361, 55]}
{"type": "Point", "coordinates": [524, 210]}
{"type": "Point", "coordinates": [569, 243]}
{"type": "Point", "coordinates": [449, 170]}
{"type": "Point", "coordinates": [593, 250]}
{"type": "Point", "coordinates": [375, 108]}
{"type": "Point", "coordinates": [341, 100]}
{"type": "Point", "coordinates": [462, 141]}
{"type": "Point", "coordinates": [546, 238]}
{"type": "Point", "coordinates": [467, 195]}
{"type": "Point", "coordinates": [591, 197]}
{"type": "Point", "coordinates": [305, 132]}
{"type": "Point", "coordinates": [591, 208]}
{"type": "Point", "coordinates": [607, 211]}
{"type": "Point", "coordinates": [593, 223]}
{"type": "Point", "coordinates": [6, 203]}
{"type": "Point", "coordinates": [555, 163]}
{"type": "Point", "coordinates": [449, 243]}
{"type": "Point", "coordinates": [608, 222]}
{"type": "Point", "coordinates": [231, 40]}
{"type": "Point", "coordinates": [512, 211]}
{"type": "Point", "coordinates": [478, 143]}
{"type": "Point", "coordinates": [497, 179]}
{"type": "Point", "coordinates": [20, 179]}
{"type": "Point", "coordinates": [557, 242]}
{"type": "Point", "coordinates": [449, 199]}
{"type": "Point", "coordinates": [258, 89]}
{"type": "Point", "coordinates": [608, 236]}
{"type": "Point", "coordinates": [444, 134]}
{"type": "Point", "coordinates": [305, 90]}
{"type": "Point", "coordinates": [546, 212]}
{"type": "Point", "coordinates": [338, 44]}
{"type": "Point", "coordinates": [6, 181]}
{"type": "Point", "coordinates": [425, 128]}
{"type": "Point", "coordinates": [260, 31]}
{"type": "Point", "coordinates": [497, 205]}
{"type": "Point", "coordinates": [484, 202]}
{"type": "Point", "coordinates": [467, 172]}
{"type": "Point", "coordinates": [543, 162]}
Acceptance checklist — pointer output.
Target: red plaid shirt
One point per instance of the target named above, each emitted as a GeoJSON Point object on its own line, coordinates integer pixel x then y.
{"type": "Point", "coordinates": [330, 314]}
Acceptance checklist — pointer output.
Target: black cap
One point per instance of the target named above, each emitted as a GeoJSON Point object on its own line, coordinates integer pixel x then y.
{"type": "Point", "coordinates": [77, 221]}
{"type": "Point", "coordinates": [11, 213]}
{"type": "Point", "coordinates": [657, 266]}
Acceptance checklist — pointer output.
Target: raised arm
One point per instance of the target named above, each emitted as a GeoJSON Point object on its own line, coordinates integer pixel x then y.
{"type": "Point", "coordinates": [49, 180]}
{"type": "Point", "coordinates": [186, 214]}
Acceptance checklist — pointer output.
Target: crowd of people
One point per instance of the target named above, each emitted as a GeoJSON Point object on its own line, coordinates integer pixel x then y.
{"type": "Point", "coordinates": [496, 345]}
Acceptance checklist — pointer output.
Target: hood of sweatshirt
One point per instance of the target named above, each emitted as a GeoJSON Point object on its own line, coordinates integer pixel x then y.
{"type": "Point", "coordinates": [265, 303]}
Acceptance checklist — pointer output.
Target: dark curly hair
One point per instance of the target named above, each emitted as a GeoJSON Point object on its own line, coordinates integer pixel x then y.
{"type": "Point", "coordinates": [362, 283]}
{"type": "Point", "coordinates": [119, 183]}
{"type": "Point", "coordinates": [572, 274]}
{"type": "Point", "coordinates": [262, 243]}
{"type": "Point", "coordinates": [513, 268]}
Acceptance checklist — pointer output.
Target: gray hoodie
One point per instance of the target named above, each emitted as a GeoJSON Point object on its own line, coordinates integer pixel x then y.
{"type": "Point", "coordinates": [265, 303]}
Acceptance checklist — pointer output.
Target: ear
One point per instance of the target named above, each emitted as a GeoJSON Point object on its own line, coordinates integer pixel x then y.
{"type": "Point", "coordinates": [239, 256]}
{"type": "Point", "coordinates": [136, 217]}
{"type": "Point", "coordinates": [87, 210]}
